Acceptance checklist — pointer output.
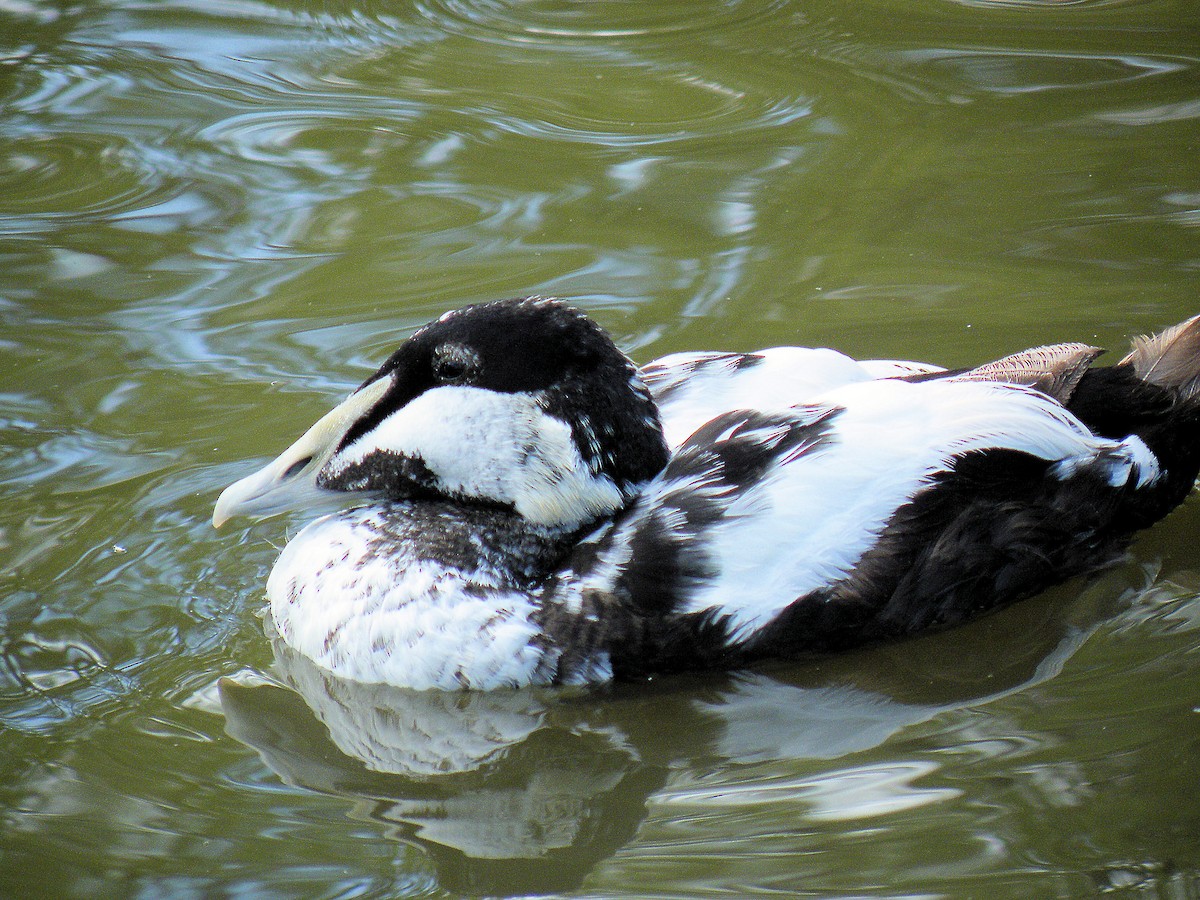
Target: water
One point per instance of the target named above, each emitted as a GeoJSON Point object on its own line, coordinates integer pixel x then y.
{"type": "Point", "coordinates": [217, 217]}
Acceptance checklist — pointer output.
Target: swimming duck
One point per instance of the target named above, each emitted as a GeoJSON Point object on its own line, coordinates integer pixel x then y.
{"type": "Point", "coordinates": [534, 509]}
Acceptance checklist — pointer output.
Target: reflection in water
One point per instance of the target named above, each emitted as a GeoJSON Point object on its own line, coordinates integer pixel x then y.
{"type": "Point", "coordinates": [519, 791]}
{"type": "Point", "coordinates": [508, 791]}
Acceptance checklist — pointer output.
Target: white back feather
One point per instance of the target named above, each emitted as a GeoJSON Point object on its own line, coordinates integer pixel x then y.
{"type": "Point", "coordinates": [692, 388]}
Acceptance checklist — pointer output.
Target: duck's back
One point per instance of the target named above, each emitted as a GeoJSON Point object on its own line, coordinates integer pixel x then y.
{"type": "Point", "coordinates": [878, 509]}
{"type": "Point", "coordinates": [690, 389]}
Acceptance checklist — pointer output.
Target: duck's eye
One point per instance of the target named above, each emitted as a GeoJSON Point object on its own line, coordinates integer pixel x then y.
{"type": "Point", "coordinates": [455, 364]}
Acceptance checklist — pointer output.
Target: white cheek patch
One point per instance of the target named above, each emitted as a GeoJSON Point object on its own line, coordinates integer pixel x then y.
{"type": "Point", "coordinates": [556, 486]}
{"type": "Point", "coordinates": [494, 446]}
{"type": "Point", "coordinates": [465, 435]}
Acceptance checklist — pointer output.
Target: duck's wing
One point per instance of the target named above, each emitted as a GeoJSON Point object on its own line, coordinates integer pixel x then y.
{"type": "Point", "coordinates": [899, 368]}
{"type": "Point", "coordinates": [691, 389]}
{"type": "Point", "coordinates": [812, 517]}
{"type": "Point", "coordinates": [881, 508]}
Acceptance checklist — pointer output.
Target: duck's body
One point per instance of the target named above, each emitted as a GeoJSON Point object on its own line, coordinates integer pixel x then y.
{"type": "Point", "coordinates": [543, 512]}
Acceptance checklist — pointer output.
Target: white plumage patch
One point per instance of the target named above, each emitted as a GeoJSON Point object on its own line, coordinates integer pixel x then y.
{"type": "Point", "coordinates": [692, 388]}
{"type": "Point", "coordinates": [496, 446]}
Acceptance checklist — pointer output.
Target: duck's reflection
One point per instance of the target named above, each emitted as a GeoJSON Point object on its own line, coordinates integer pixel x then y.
{"type": "Point", "coordinates": [507, 791]}
{"type": "Point", "coordinates": [527, 791]}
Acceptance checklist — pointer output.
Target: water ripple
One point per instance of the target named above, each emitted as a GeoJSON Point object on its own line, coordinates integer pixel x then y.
{"type": "Point", "coordinates": [524, 23]}
{"type": "Point", "coordinates": [646, 102]}
{"type": "Point", "coordinates": [1031, 71]}
{"type": "Point", "coordinates": [40, 177]}
{"type": "Point", "coordinates": [68, 89]}
{"type": "Point", "coordinates": [326, 142]}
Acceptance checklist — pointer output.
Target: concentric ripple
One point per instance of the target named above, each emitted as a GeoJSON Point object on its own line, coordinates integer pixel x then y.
{"type": "Point", "coordinates": [44, 175]}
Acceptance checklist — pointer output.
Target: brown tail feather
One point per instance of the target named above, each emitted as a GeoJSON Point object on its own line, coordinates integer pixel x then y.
{"type": "Point", "coordinates": [1170, 359]}
{"type": "Point", "coordinates": [1055, 369]}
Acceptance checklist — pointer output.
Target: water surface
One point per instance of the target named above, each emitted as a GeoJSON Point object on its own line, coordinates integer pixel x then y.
{"type": "Point", "coordinates": [217, 217]}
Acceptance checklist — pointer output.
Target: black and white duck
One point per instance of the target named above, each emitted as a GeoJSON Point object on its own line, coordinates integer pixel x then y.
{"type": "Point", "coordinates": [534, 509]}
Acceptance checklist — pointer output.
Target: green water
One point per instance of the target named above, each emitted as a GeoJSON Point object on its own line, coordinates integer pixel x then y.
{"type": "Point", "coordinates": [217, 217]}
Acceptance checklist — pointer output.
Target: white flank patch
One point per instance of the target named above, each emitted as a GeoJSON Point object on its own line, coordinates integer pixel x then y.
{"type": "Point", "coordinates": [1118, 462]}
{"type": "Point", "coordinates": [388, 618]}
{"type": "Point", "coordinates": [491, 445]}
{"type": "Point", "coordinates": [1143, 460]}
{"type": "Point", "coordinates": [813, 519]}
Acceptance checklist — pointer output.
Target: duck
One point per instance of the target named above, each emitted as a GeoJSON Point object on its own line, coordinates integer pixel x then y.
{"type": "Point", "coordinates": [525, 506]}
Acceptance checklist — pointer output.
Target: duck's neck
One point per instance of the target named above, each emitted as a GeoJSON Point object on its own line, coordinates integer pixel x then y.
{"type": "Point", "coordinates": [496, 544]}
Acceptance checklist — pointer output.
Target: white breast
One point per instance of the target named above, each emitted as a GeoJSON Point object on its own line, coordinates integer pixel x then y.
{"type": "Point", "coordinates": [374, 613]}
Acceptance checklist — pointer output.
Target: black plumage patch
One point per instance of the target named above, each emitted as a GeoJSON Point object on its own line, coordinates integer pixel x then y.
{"type": "Point", "coordinates": [518, 345]}
{"type": "Point", "coordinates": [1114, 402]}
{"type": "Point", "coordinates": [468, 539]}
{"type": "Point", "coordinates": [397, 476]}
{"type": "Point", "coordinates": [737, 448]}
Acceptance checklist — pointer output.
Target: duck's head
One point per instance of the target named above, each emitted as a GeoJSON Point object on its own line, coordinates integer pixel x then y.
{"type": "Point", "coordinates": [522, 404]}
